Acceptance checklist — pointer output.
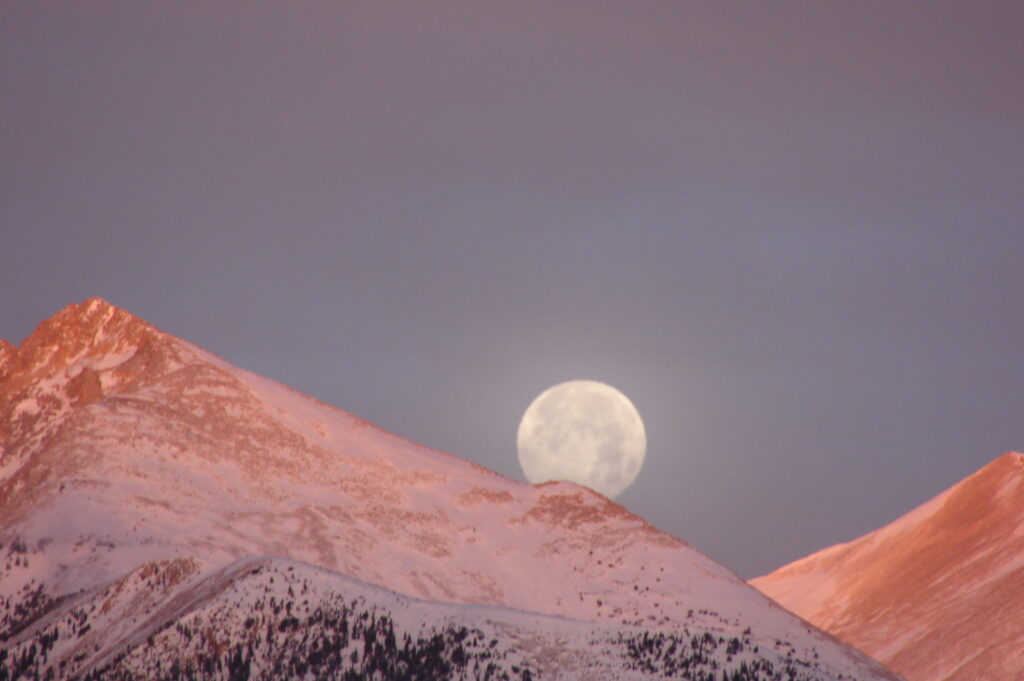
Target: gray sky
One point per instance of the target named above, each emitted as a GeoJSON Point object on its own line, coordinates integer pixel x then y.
{"type": "Point", "coordinates": [790, 232]}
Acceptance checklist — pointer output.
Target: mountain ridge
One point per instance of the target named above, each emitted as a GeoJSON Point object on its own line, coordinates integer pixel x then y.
{"type": "Point", "coordinates": [910, 592]}
{"type": "Point", "coordinates": [125, 446]}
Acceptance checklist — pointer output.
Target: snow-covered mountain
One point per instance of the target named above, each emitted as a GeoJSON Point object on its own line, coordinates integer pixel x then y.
{"type": "Point", "coordinates": [937, 595]}
{"type": "Point", "coordinates": [164, 514]}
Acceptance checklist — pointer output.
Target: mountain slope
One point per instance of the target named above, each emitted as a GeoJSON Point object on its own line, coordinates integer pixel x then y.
{"type": "Point", "coordinates": [936, 595]}
{"type": "Point", "coordinates": [124, 446]}
{"type": "Point", "coordinates": [270, 618]}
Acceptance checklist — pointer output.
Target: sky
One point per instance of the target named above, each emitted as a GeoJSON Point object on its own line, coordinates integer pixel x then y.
{"type": "Point", "coordinates": [790, 232]}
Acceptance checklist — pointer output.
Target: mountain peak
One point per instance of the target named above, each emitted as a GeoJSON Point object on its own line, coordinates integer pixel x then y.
{"type": "Point", "coordinates": [994, 475]}
{"type": "Point", "coordinates": [1012, 459]}
{"type": "Point", "coordinates": [92, 320]}
{"type": "Point", "coordinates": [73, 359]}
{"type": "Point", "coordinates": [93, 328]}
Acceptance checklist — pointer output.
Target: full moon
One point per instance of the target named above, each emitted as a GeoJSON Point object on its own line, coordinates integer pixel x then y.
{"type": "Point", "coordinates": [583, 431]}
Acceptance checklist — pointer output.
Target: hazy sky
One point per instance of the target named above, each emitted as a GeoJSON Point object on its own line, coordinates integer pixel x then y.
{"type": "Point", "coordinates": [791, 232]}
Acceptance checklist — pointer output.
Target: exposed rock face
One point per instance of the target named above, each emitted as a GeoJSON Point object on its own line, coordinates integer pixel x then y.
{"type": "Point", "coordinates": [7, 352]}
{"type": "Point", "coordinates": [124, 446]}
{"type": "Point", "coordinates": [71, 360]}
{"type": "Point", "coordinates": [938, 594]}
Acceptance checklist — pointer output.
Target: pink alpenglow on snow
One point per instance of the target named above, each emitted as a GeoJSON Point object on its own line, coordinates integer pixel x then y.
{"type": "Point", "coordinates": [160, 508]}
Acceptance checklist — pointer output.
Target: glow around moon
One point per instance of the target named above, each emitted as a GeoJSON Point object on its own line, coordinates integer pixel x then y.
{"type": "Point", "coordinates": [584, 431]}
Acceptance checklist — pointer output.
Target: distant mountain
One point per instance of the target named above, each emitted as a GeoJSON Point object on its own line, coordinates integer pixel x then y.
{"type": "Point", "coordinates": [937, 595]}
{"type": "Point", "coordinates": [165, 515]}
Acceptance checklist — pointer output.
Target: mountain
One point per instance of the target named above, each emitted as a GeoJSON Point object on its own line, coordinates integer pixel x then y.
{"type": "Point", "coordinates": [164, 514]}
{"type": "Point", "coordinates": [937, 595]}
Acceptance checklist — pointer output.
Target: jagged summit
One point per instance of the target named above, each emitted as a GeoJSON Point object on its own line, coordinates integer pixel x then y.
{"type": "Point", "coordinates": [93, 326]}
{"type": "Point", "coordinates": [82, 335]}
{"type": "Point", "coordinates": [84, 352]}
{"type": "Point", "coordinates": [936, 594]}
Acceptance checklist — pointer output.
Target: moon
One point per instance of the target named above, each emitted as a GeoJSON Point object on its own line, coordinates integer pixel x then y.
{"type": "Point", "coordinates": [583, 431]}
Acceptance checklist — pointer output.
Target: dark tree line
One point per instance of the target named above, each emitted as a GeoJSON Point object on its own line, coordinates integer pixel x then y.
{"type": "Point", "coordinates": [696, 658]}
